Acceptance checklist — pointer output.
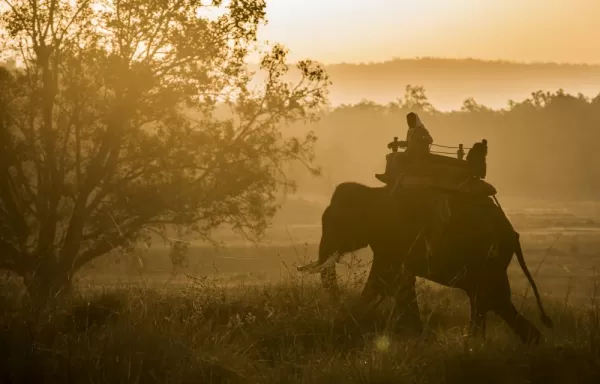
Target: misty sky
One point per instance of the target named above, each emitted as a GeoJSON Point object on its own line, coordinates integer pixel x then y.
{"type": "Point", "coordinates": [377, 30]}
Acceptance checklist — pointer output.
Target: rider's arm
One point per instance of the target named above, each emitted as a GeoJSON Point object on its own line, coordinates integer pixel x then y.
{"type": "Point", "coordinates": [425, 136]}
{"type": "Point", "coordinates": [429, 138]}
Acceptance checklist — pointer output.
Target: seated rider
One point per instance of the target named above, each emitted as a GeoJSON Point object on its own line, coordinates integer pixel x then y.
{"type": "Point", "coordinates": [460, 154]}
{"type": "Point", "coordinates": [476, 159]}
{"type": "Point", "coordinates": [417, 145]}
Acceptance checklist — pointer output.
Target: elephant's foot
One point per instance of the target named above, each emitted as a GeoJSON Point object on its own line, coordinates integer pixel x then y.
{"type": "Point", "coordinates": [366, 305]}
{"type": "Point", "coordinates": [531, 336]}
{"type": "Point", "coordinates": [407, 312]}
{"type": "Point", "coordinates": [408, 325]}
{"type": "Point", "coordinates": [358, 318]}
{"type": "Point", "coordinates": [477, 327]}
{"type": "Point", "coordinates": [406, 320]}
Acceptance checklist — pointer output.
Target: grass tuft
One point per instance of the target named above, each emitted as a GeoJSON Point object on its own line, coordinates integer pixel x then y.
{"type": "Point", "coordinates": [273, 333]}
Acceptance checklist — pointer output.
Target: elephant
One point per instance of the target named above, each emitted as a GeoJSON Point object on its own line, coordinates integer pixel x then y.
{"type": "Point", "coordinates": [472, 251]}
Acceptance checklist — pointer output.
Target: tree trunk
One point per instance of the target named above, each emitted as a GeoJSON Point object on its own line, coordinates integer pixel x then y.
{"type": "Point", "coordinates": [48, 284]}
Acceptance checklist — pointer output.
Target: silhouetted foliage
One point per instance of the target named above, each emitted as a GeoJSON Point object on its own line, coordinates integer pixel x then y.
{"type": "Point", "coordinates": [450, 80]}
{"type": "Point", "coordinates": [109, 130]}
{"type": "Point", "coordinates": [545, 146]}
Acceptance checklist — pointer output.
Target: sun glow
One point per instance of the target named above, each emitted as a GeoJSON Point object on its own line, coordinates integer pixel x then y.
{"type": "Point", "coordinates": [376, 30]}
{"type": "Point", "coordinates": [355, 28]}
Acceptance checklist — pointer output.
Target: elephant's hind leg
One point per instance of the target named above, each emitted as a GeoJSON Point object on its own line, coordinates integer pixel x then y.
{"type": "Point", "coordinates": [501, 303]}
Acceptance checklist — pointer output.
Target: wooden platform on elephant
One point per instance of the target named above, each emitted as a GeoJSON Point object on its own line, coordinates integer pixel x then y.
{"type": "Point", "coordinates": [471, 186]}
{"type": "Point", "coordinates": [441, 172]}
{"type": "Point", "coordinates": [434, 163]}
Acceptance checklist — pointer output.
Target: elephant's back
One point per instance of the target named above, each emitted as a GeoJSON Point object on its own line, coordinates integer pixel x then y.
{"type": "Point", "coordinates": [356, 194]}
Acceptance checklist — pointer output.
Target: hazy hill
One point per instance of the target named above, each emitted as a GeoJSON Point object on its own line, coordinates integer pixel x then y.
{"type": "Point", "coordinates": [450, 81]}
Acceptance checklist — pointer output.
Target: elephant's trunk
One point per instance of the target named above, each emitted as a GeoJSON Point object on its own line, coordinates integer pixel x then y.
{"type": "Point", "coordinates": [327, 260]}
{"type": "Point", "coordinates": [329, 254]}
{"type": "Point", "coordinates": [329, 282]}
{"type": "Point", "coordinates": [343, 230]}
{"type": "Point", "coordinates": [326, 267]}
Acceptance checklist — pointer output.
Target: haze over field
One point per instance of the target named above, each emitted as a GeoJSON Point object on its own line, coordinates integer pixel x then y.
{"type": "Point", "coordinates": [378, 30]}
{"type": "Point", "coordinates": [513, 47]}
{"type": "Point", "coordinates": [155, 198]}
{"type": "Point", "coordinates": [450, 81]}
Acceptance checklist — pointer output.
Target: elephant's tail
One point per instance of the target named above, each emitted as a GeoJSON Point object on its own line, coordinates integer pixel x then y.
{"type": "Point", "coordinates": [546, 320]}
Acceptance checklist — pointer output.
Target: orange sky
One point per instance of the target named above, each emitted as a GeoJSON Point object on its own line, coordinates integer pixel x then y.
{"type": "Point", "coordinates": [377, 30]}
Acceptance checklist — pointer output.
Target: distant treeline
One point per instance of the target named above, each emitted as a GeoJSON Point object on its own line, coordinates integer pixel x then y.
{"type": "Point", "coordinates": [545, 146]}
{"type": "Point", "coordinates": [449, 81]}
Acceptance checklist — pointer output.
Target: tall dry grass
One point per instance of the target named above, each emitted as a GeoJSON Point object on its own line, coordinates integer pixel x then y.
{"type": "Point", "coordinates": [210, 331]}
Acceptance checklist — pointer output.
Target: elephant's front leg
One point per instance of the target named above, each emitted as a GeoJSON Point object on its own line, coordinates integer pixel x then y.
{"type": "Point", "coordinates": [407, 306]}
{"type": "Point", "coordinates": [373, 292]}
{"type": "Point", "coordinates": [477, 321]}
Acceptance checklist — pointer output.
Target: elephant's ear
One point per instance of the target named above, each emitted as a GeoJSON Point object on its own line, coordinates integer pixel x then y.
{"type": "Point", "coordinates": [357, 228]}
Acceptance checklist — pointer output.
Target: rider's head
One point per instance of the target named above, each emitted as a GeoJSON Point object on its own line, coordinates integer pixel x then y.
{"type": "Point", "coordinates": [412, 119]}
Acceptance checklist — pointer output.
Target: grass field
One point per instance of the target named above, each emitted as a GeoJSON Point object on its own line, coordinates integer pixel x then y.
{"type": "Point", "coordinates": [241, 314]}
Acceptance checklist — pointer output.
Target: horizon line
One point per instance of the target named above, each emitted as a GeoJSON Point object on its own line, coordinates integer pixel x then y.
{"type": "Point", "coordinates": [457, 58]}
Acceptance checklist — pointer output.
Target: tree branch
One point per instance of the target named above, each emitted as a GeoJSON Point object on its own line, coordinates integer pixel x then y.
{"type": "Point", "coordinates": [120, 237]}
